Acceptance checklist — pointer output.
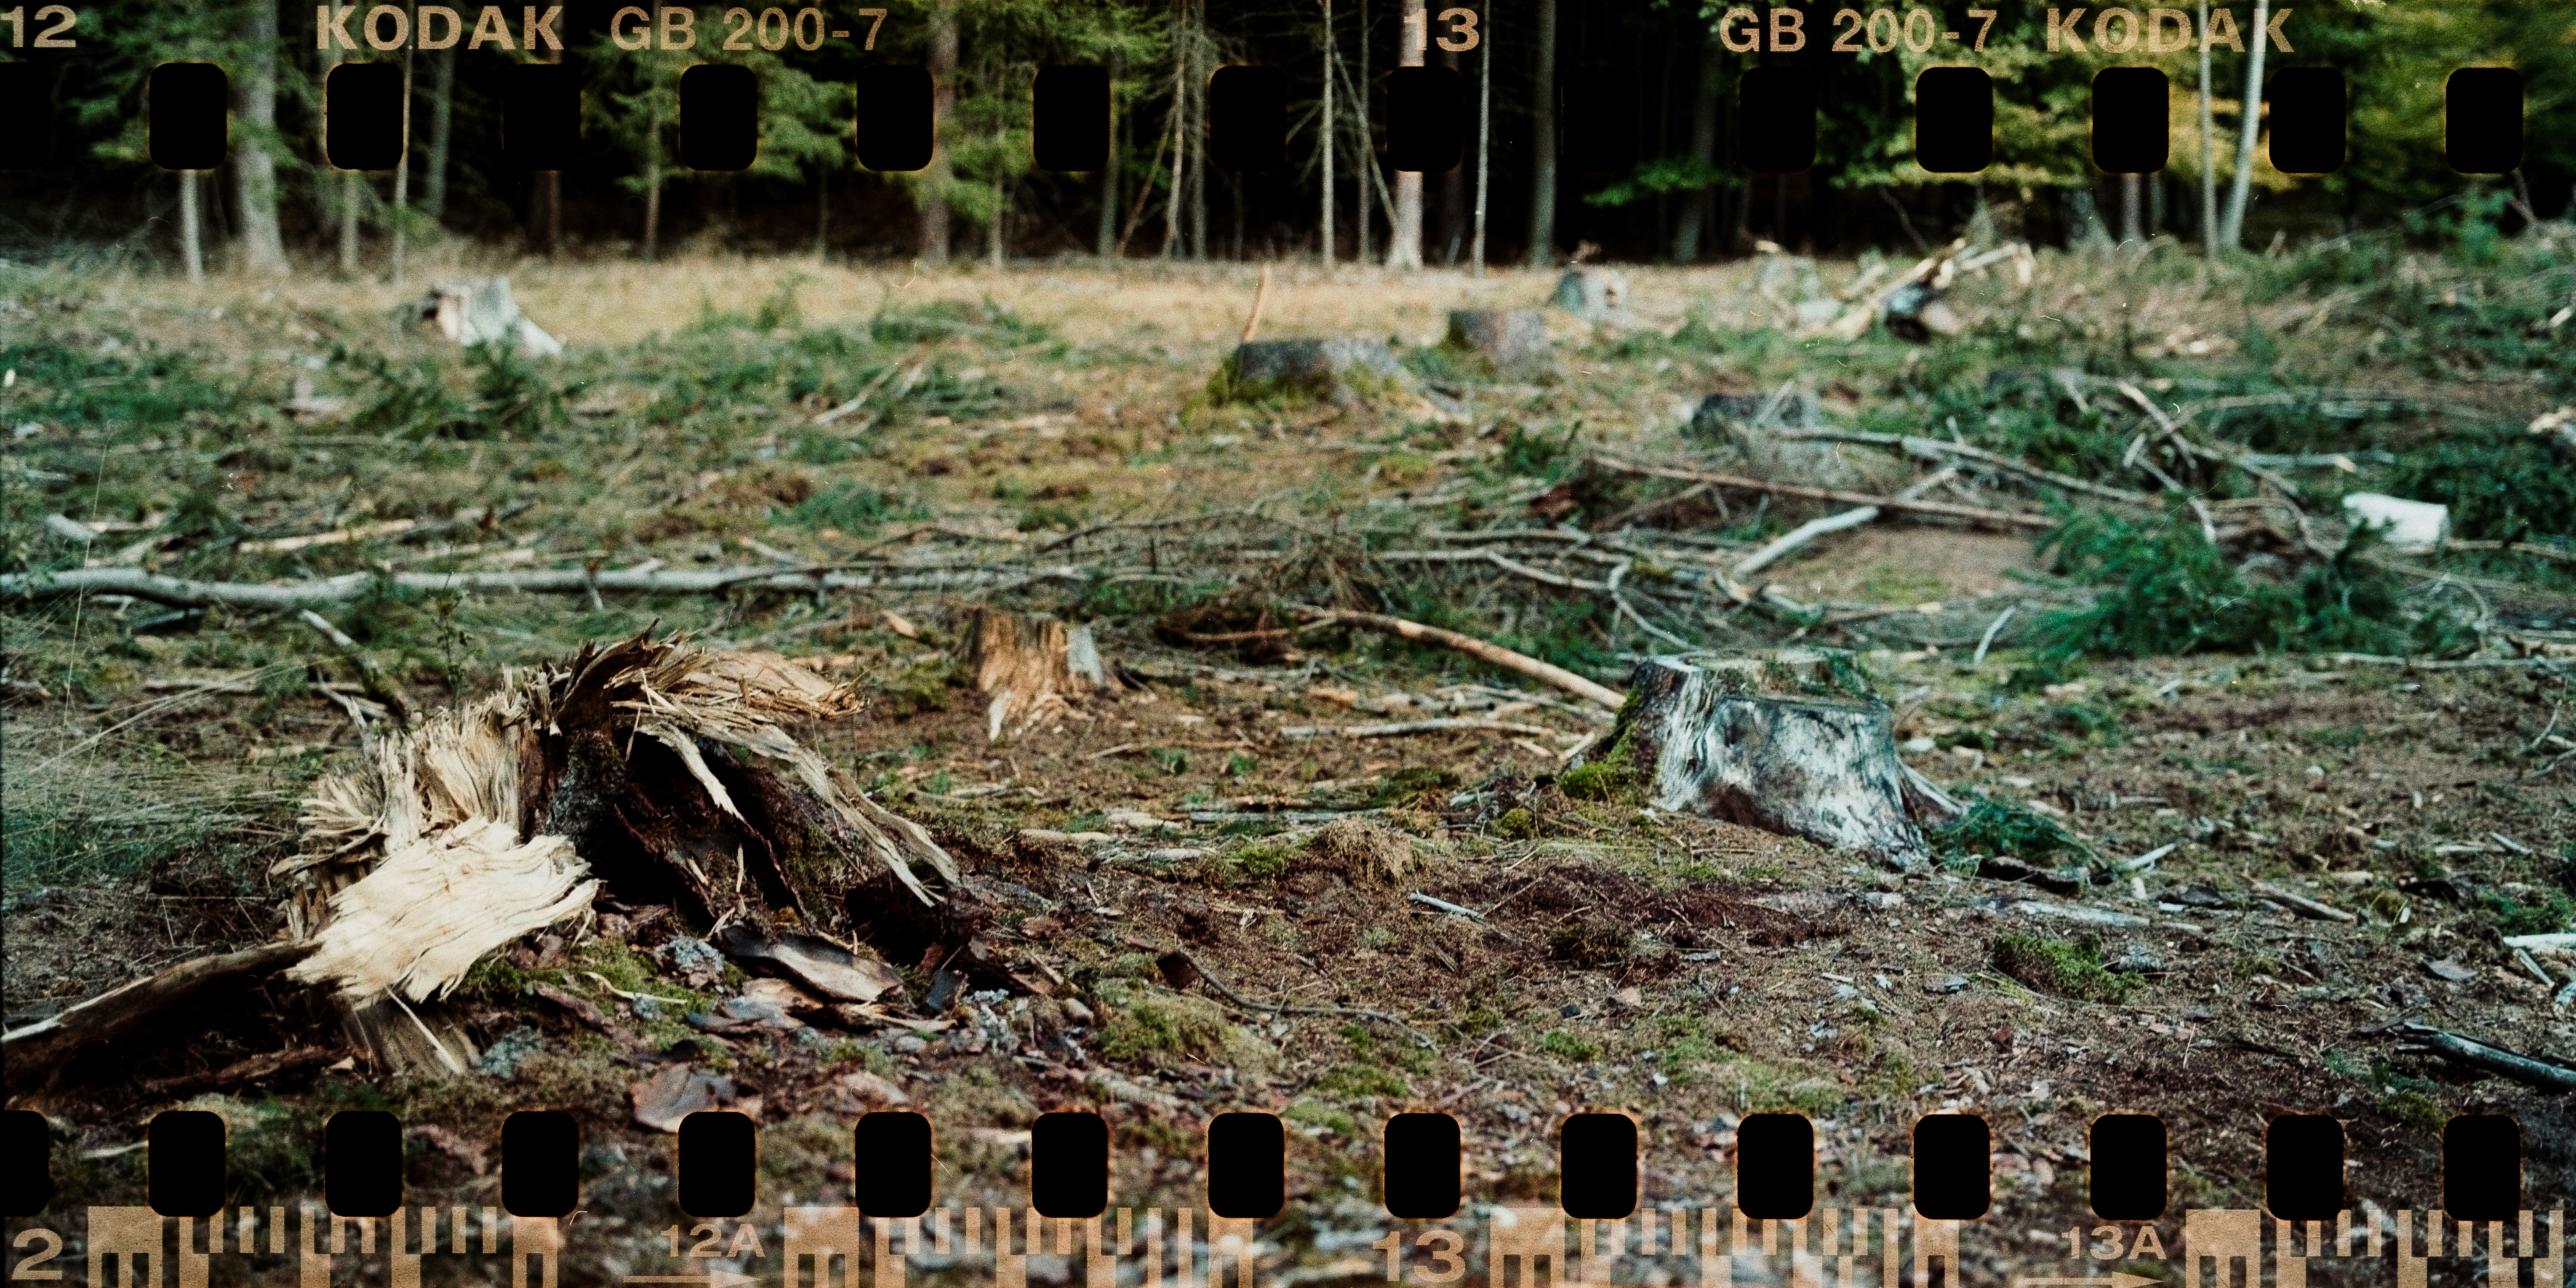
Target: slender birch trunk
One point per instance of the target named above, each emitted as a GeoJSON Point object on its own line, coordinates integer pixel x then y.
{"type": "Point", "coordinates": [1180, 133]}
{"type": "Point", "coordinates": [192, 250]}
{"type": "Point", "coordinates": [2208, 149]}
{"type": "Point", "coordinates": [1404, 244]}
{"type": "Point", "coordinates": [1484, 137]}
{"type": "Point", "coordinates": [1367, 160]}
{"type": "Point", "coordinates": [1542, 247]}
{"type": "Point", "coordinates": [1329, 149]}
{"type": "Point", "coordinates": [1105, 240]}
{"type": "Point", "coordinates": [2249, 118]}
{"type": "Point", "coordinates": [255, 169]}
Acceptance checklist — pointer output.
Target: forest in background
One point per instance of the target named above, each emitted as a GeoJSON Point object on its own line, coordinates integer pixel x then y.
{"type": "Point", "coordinates": [1610, 124]}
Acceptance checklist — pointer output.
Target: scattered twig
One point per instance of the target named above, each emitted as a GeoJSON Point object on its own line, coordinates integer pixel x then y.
{"type": "Point", "coordinates": [1260, 294]}
{"type": "Point", "coordinates": [348, 587]}
{"type": "Point", "coordinates": [377, 686]}
{"type": "Point", "coordinates": [1468, 644]}
{"type": "Point", "coordinates": [1444, 905]}
{"type": "Point", "coordinates": [1801, 535]}
{"type": "Point", "coordinates": [2302, 903]}
{"type": "Point", "coordinates": [1987, 640]}
{"type": "Point", "coordinates": [1287, 1008]}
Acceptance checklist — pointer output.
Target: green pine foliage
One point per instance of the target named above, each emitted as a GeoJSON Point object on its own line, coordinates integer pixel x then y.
{"type": "Point", "coordinates": [2166, 591]}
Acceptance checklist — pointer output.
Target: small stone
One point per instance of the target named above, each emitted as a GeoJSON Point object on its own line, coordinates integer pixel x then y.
{"type": "Point", "coordinates": [1946, 985]}
{"type": "Point", "coordinates": [2135, 960]}
{"type": "Point", "coordinates": [1919, 745]}
{"type": "Point", "coordinates": [2452, 971]}
{"type": "Point", "coordinates": [1571, 1011]}
{"type": "Point", "coordinates": [503, 1058]}
{"type": "Point", "coordinates": [911, 1044]}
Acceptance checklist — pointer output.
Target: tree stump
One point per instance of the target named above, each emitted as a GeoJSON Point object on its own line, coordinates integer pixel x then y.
{"type": "Point", "coordinates": [1793, 742]}
{"type": "Point", "coordinates": [1513, 341]}
{"type": "Point", "coordinates": [1594, 293]}
{"type": "Point", "coordinates": [482, 311]}
{"type": "Point", "coordinates": [1346, 371]}
{"type": "Point", "coordinates": [1030, 666]}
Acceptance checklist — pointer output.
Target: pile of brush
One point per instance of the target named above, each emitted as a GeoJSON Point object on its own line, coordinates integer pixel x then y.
{"type": "Point", "coordinates": [651, 771]}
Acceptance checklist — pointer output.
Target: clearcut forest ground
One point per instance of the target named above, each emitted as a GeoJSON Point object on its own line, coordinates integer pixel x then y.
{"type": "Point", "coordinates": [1687, 971]}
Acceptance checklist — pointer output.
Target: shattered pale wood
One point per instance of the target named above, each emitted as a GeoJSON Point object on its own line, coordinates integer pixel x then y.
{"type": "Point", "coordinates": [429, 911]}
{"type": "Point", "coordinates": [1791, 742]}
{"type": "Point", "coordinates": [1029, 667]}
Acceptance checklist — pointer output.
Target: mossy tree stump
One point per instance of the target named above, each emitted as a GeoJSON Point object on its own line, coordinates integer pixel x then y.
{"type": "Point", "coordinates": [1792, 742]}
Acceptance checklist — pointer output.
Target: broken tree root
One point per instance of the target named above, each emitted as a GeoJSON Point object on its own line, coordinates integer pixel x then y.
{"type": "Point", "coordinates": [1470, 645]}
{"type": "Point", "coordinates": [30, 1058]}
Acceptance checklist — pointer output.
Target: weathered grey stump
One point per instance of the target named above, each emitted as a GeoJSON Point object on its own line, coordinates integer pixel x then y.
{"type": "Point", "coordinates": [1593, 292]}
{"type": "Point", "coordinates": [1514, 341]}
{"type": "Point", "coordinates": [1793, 742]}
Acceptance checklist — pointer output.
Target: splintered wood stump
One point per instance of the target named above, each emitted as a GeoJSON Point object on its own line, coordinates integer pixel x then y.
{"type": "Point", "coordinates": [1793, 742]}
{"type": "Point", "coordinates": [1030, 666]}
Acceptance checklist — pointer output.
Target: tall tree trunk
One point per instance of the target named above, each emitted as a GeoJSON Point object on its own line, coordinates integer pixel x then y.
{"type": "Point", "coordinates": [996, 248]}
{"type": "Point", "coordinates": [442, 110]}
{"type": "Point", "coordinates": [1198, 130]}
{"type": "Point", "coordinates": [823, 210]}
{"type": "Point", "coordinates": [2132, 222]}
{"type": "Point", "coordinates": [2249, 121]}
{"type": "Point", "coordinates": [1367, 170]}
{"type": "Point", "coordinates": [1703, 150]}
{"type": "Point", "coordinates": [1105, 240]}
{"type": "Point", "coordinates": [653, 189]}
{"type": "Point", "coordinates": [353, 194]}
{"type": "Point", "coordinates": [1542, 246]}
{"type": "Point", "coordinates": [255, 169]}
{"type": "Point", "coordinates": [1328, 140]}
{"type": "Point", "coordinates": [2208, 149]}
{"type": "Point", "coordinates": [1404, 244]}
{"type": "Point", "coordinates": [1180, 132]}
{"type": "Point", "coordinates": [933, 248]}
{"type": "Point", "coordinates": [191, 246]}
{"type": "Point", "coordinates": [402, 162]}
{"type": "Point", "coordinates": [1484, 137]}
{"type": "Point", "coordinates": [1453, 212]}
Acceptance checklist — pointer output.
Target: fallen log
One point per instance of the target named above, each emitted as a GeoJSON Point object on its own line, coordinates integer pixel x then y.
{"type": "Point", "coordinates": [1792, 742]}
{"type": "Point", "coordinates": [1971, 513]}
{"type": "Point", "coordinates": [31, 1057]}
{"type": "Point", "coordinates": [1473, 647]}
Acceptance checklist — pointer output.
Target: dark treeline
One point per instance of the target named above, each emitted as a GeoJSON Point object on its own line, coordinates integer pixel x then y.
{"type": "Point", "coordinates": [1610, 124]}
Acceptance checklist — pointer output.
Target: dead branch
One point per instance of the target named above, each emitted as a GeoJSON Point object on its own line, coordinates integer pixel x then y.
{"type": "Point", "coordinates": [2493, 1059]}
{"type": "Point", "coordinates": [1970, 513]}
{"type": "Point", "coordinates": [1400, 728]}
{"type": "Point", "coordinates": [1468, 644]}
{"type": "Point", "coordinates": [1933, 449]}
{"type": "Point", "coordinates": [31, 1057]}
{"type": "Point", "coordinates": [348, 587]}
{"type": "Point", "coordinates": [2302, 904]}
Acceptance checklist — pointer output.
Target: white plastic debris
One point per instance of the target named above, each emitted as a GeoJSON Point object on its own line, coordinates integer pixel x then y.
{"type": "Point", "coordinates": [2411, 525]}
